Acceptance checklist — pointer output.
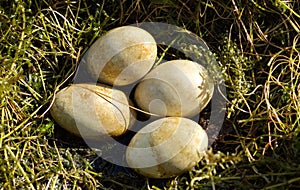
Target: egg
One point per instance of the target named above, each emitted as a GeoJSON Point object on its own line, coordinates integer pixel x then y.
{"type": "Point", "coordinates": [175, 88]}
{"type": "Point", "coordinates": [122, 56]}
{"type": "Point", "coordinates": [92, 111]}
{"type": "Point", "coordinates": [167, 147]}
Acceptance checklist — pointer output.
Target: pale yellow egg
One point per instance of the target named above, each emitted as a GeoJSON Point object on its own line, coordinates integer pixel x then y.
{"type": "Point", "coordinates": [122, 56]}
{"type": "Point", "coordinates": [91, 111]}
{"type": "Point", "coordinates": [167, 147]}
{"type": "Point", "coordinates": [175, 88]}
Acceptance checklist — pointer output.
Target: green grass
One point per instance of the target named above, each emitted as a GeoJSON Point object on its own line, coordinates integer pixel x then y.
{"type": "Point", "coordinates": [255, 42]}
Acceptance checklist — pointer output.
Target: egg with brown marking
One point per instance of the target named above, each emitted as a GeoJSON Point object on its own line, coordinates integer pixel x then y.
{"type": "Point", "coordinates": [92, 111]}
{"type": "Point", "coordinates": [167, 147]}
{"type": "Point", "coordinates": [175, 88]}
{"type": "Point", "coordinates": [122, 56]}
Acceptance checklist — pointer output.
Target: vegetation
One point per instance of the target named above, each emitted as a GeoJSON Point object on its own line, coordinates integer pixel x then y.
{"type": "Point", "coordinates": [256, 43]}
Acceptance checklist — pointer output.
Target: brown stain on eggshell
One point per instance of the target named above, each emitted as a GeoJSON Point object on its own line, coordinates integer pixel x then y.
{"type": "Point", "coordinates": [159, 136]}
{"type": "Point", "coordinates": [164, 132]}
{"type": "Point", "coordinates": [132, 60]}
{"type": "Point", "coordinates": [106, 97]}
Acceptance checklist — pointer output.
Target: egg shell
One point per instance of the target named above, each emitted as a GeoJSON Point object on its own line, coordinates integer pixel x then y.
{"type": "Point", "coordinates": [122, 56]}
{"type": "Point", "coordinates": [175, 88]}
{"type": "Point", "coordinates": [91, 111]}
{"type": "Point", "coordinates": [167, 147]}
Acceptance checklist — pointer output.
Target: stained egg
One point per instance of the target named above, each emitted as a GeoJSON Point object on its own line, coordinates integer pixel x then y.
{"type": "Point", "coordinates": [122, 56]}
{"type": "Point", "coordinates": [92, 111]}
{"type": "Point", "coordinates": [175, 88]}
{"type": "Point", "coordinates": [167, 147]}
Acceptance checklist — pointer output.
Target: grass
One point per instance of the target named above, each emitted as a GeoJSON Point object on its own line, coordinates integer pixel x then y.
{"type": "Point", "coordinates": [255, 42]}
